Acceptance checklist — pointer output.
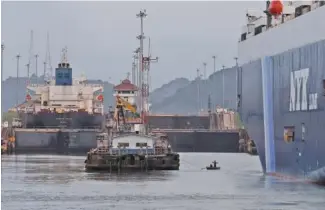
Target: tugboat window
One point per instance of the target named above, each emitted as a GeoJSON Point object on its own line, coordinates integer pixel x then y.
{"type": "Point", "coordinates": [141, 144]}
{"type": "Point", "coordinates": [121, 144]}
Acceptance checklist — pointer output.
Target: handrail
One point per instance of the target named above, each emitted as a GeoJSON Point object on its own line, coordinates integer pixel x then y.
{"type": "Point", "coordinates": [193, 130]}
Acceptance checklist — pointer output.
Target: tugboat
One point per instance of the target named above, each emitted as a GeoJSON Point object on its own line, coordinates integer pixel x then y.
{"type": "Point", "coordinates": [131, 152]}
{"type": "Point", "coordinates": [126, 146]}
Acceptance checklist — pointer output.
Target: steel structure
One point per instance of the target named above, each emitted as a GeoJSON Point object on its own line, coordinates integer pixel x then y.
{"type": "Point", "coordinates": [48, 71]}
{"type": "Point", "coordinates": [144, 69]}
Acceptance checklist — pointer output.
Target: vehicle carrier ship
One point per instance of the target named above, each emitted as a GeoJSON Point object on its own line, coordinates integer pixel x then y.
{"type": "Point", "coordinates": [281, 88]}
{"type": "Point", "coordinates": [61, 116]}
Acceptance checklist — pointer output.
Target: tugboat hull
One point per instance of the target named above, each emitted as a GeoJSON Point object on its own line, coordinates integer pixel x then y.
{"type": "Point", "coordinates": [114, 163]}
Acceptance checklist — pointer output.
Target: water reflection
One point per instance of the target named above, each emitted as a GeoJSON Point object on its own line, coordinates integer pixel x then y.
{"type": "Point", "coordinates": [134, 177]}
{"type": "Point", "coordinates": [66, 169]}
{"type": "Point", "coordinates": [60, 182]}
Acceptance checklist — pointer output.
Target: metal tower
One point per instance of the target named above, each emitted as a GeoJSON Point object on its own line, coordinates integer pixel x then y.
{"type": "Point", "coordinates": [141, 37]}
{"type": "Point", "coordinates": [146, 74]}
{"type": "Point", "coordinates": [137, 69]}
{"type": "Point", "coordinates": [47, 61]}
{"type": "Point", "coordinates": [144, 71]}
{"type": "Point", "coordinates": [36, 70]}
{"type": "Point", "coordinates": [30, 54]}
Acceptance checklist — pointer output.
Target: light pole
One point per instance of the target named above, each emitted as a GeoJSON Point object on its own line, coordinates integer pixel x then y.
{"type": "Point", "coordinates": [198, 90]}
{"type": "Point", "coordinates": [36, 71]}
{"type": "Point", "coordinates": [238, 84]}
{"type": "Point", "coordinates": [223, 86]}
{"type": "Point", "coordinates": [214, 63]}
{"type": "Point", "coordinates": [205, 70]}
{"type": "Point", "coordinates": [17, 83]}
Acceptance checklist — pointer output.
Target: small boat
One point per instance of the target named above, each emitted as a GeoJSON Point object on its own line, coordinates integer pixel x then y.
{"type": "Point", "coordinates": [213, 168]}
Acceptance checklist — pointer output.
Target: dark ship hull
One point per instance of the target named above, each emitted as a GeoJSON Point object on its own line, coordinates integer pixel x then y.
{"type": "Point", "coordinates": [191, 134]}
{"type": "Point", "coordinates": [55, 141]}
{"type": "Point", "coordinates": [204, 141]}
{"type": "Point", "coordinates": [60, 133]}
{"type": "Point", "coordinates": [178, 122]}
{"type": "Point", "coordinates": [282, 107]}
{"type": "Point", "coordinates": [71, 120]}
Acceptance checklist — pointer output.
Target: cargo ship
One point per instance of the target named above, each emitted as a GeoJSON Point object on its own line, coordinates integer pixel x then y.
{"type": "Point", "coordinates": [62, 115]}
{"type": "Point", "coordinates": [281, 87]}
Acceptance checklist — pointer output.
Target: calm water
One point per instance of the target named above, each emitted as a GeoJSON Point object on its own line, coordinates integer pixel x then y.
{"type": "Point", "coordinates": [58, 182]}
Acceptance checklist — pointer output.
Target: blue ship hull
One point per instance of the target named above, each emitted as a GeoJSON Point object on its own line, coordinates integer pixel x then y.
{"type": "Point", "coordinates": [287, 92]}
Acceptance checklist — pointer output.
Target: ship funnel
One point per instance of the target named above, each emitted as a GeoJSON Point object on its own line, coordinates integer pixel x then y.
{"type": "Point", "coordinates": [63, 74]}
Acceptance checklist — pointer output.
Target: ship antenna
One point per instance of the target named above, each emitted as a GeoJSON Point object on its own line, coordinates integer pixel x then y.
{"type": "Point", "coordinates": [64, 57]}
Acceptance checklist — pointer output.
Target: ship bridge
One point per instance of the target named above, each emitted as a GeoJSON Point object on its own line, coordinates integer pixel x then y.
{"type": "Point", "coordinates": [63, 94]}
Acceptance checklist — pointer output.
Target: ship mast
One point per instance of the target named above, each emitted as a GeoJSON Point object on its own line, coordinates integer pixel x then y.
{"type": "Point", "coordinates": [141, 37]}
{"type": "Point", "coordinates": [144, 72]}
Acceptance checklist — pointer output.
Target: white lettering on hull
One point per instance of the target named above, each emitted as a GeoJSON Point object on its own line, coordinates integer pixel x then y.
{"type": "Point", "coordinates": [299, 93]}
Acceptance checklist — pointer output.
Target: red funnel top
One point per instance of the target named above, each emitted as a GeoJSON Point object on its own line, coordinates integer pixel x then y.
{"type": "Point", "coordinates": [276, 8]}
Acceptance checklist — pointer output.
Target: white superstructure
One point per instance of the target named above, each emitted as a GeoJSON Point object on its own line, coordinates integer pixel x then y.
{"type": "Point", "coordinates": [302, 23]}
{"type": "Point", "coordinates": [68, 98]}
{"type": "Point", "coordinates": [65, 94]}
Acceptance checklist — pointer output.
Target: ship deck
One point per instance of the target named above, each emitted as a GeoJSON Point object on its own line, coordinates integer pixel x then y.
{"type": "Point", "coordinates": [195, 130]}
{"type": "Point", "coordinates": [53, 130]}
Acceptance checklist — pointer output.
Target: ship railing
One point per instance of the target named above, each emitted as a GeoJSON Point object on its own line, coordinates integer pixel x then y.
{"type": "Point", "coordinates": [160, 150]}
{"type": "Point", "coordinates": [36, 85]}
{"type": "Point", "coordinates": [171, 127]}
{"type": "Point", "coordinates": [94, 85]}
{"type": "Point", "coordinates": [52, 129]}
{"type": "Point", "coordinates": [194, 130]}
{"type": "Point", "coordinates": [126, 151]}
{"type": "Point", "coordinates": [102, 150]}
{"type": "Point", "coordinates": [66, 127]}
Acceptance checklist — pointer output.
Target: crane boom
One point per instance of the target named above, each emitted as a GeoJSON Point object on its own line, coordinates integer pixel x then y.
{"type": "Point", "coordinates": [126, 105]}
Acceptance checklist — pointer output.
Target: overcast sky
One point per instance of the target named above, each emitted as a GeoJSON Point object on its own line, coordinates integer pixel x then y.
{"type": "Point", "coordinates": [101, 36]}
